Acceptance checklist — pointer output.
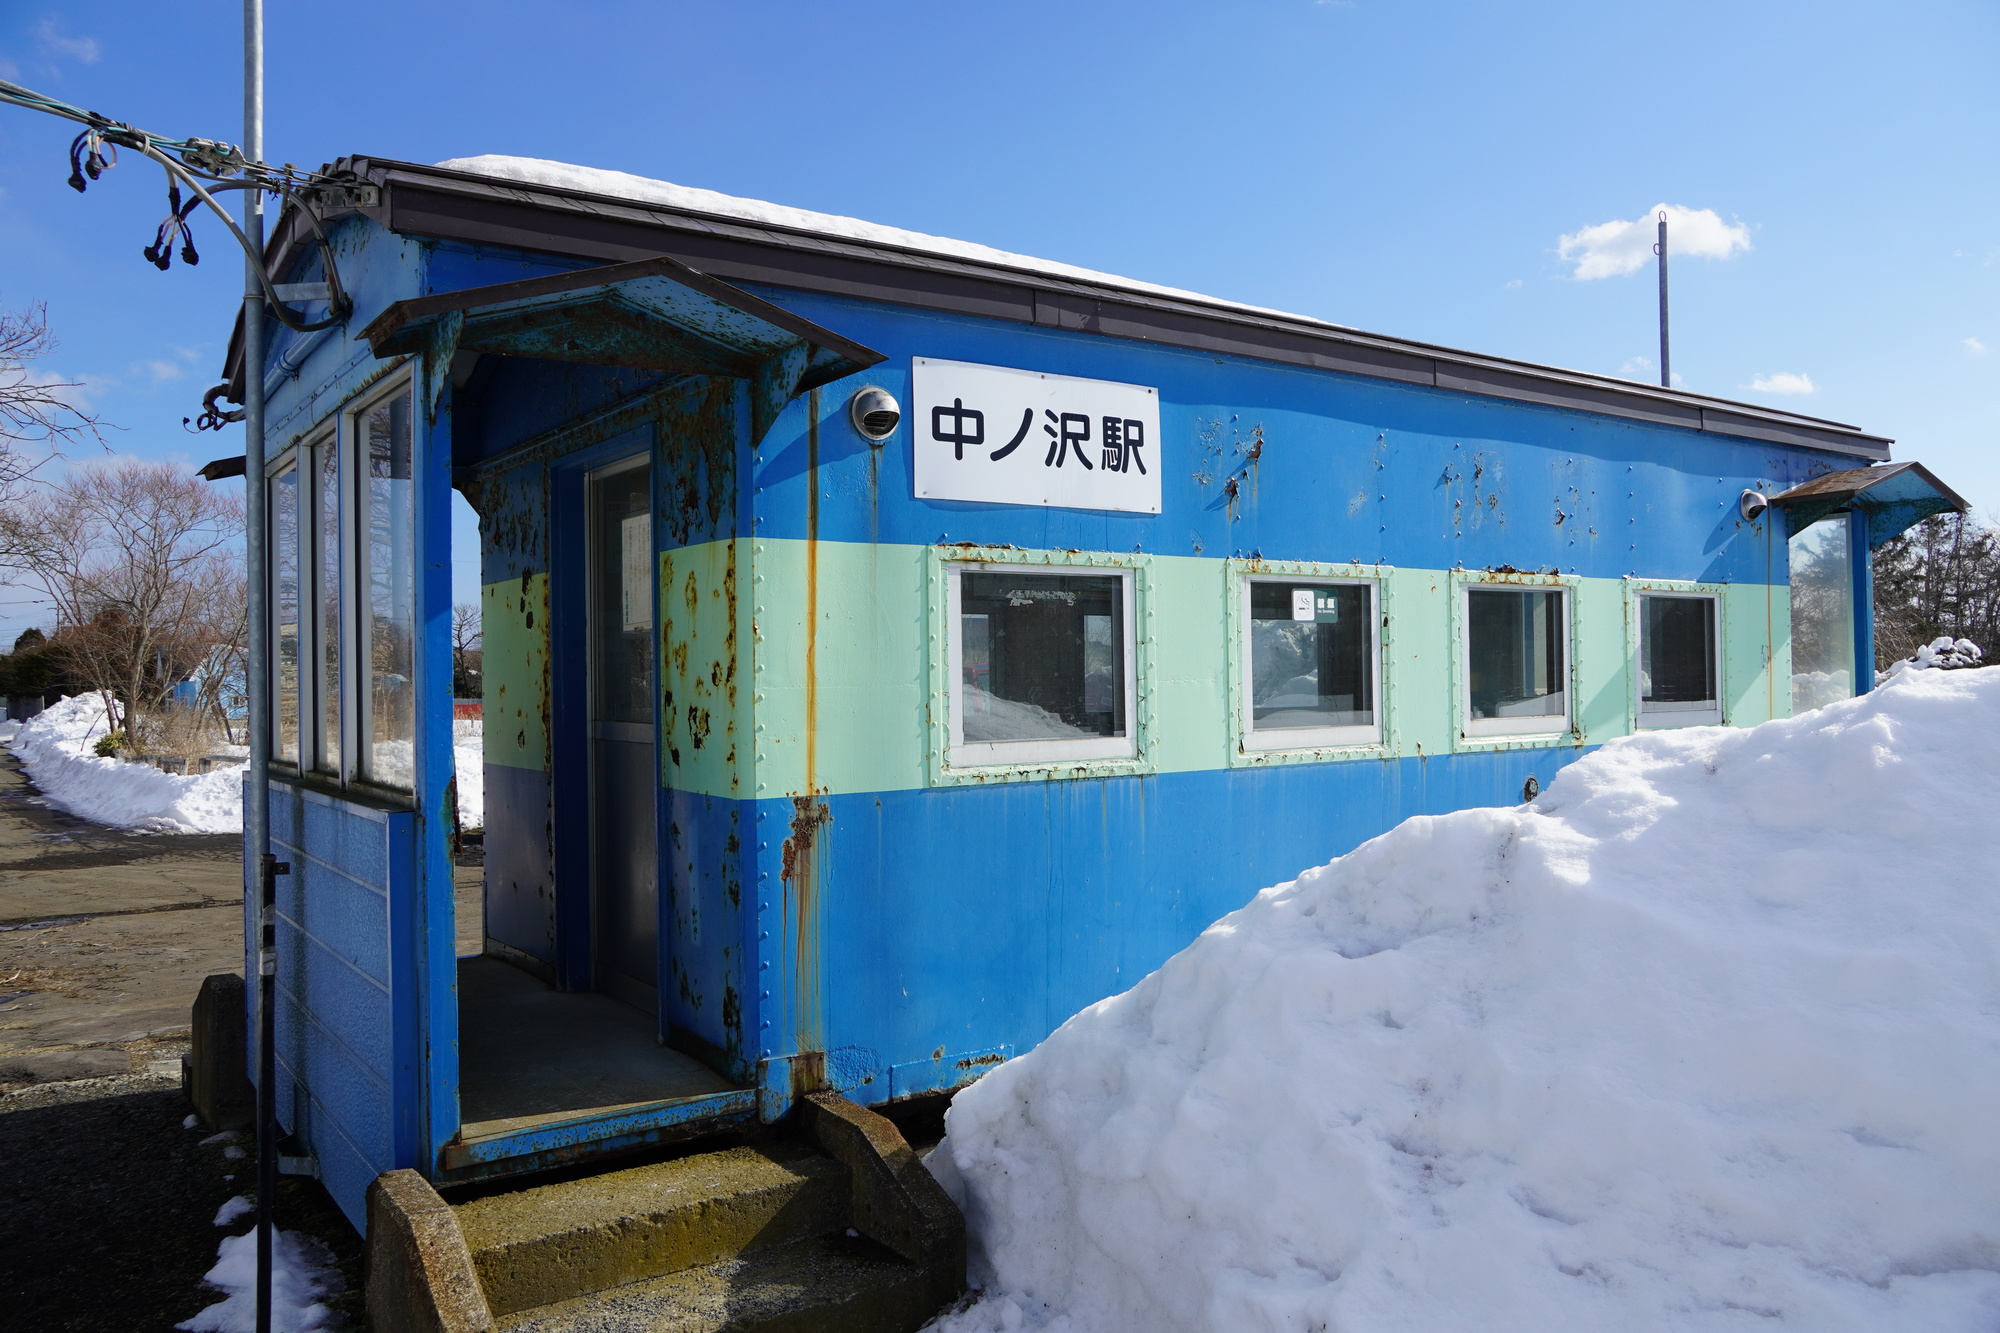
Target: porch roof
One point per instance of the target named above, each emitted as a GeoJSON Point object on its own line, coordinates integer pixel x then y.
{"type": "Point", "coordinates": [1895, 497]}
{"type": "Point", "coordinates": [650, 314]}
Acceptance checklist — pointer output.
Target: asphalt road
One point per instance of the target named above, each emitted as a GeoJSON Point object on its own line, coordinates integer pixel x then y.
{"type": "Point", "coordinates": [110, 1199]}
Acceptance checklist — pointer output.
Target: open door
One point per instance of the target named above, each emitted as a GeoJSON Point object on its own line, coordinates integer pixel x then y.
{"type": "Point", "coordinates": [623, 770]}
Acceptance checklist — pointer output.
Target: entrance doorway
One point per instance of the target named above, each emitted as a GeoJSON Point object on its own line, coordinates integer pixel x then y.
{"type": "Point", "coordinates": [624, 781]}
{"type": "Point", "coordinates": [555, 1056]}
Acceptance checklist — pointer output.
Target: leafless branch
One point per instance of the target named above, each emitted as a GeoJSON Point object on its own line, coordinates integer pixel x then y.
{"type": "Point", "coordinates": [35, 409]}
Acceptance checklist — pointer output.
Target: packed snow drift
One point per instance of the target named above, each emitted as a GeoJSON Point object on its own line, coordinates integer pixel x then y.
{"type": "Point", "coordinates": [303, 1277]}
{"type": "Point", "coordinates": [58, 748]}
{"type": "Point", "coordinates": [1707, 1037]}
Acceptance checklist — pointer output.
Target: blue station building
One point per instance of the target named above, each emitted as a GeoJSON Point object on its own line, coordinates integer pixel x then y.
{"type": "Point", "coordinates": [893, 645]}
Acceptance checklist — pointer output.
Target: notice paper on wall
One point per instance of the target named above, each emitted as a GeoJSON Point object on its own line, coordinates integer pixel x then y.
{"type": "Point", "coordinates": [636, 583]}
{"type": "Point", "coordinates": [1025, 437]}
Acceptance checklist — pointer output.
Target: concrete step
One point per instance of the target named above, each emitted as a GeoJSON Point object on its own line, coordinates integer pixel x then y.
{"type": "Point", "coordinates": [554, 1243]}
{"type": "Point", "coordinates": [831, 1284]}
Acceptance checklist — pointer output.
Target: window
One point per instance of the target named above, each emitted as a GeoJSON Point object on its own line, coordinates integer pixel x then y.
{"type": "Point", "coordinates": [285, 604]}
{"type": "Point", "coordinates": [1309, 664]}
{"type": "Point", "coordinates": [388, 625]}
{"type": "Point", "coordinates": [1822, 578]}
{"type": "Point", "coordinates": [1042, 664]}
{"type": "Point", "coordinates": [343, 590]}
{"type": "Point", "coordinates": [1516, 661]}
{"type": "Point", "coordinates": [1677, 661]}
{"type": "Point", "coordinates": [326, 617]}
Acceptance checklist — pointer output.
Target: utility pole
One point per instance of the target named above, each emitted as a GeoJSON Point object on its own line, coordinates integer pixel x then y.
{"type": "Point", "coordinates": [1660, 249]}
{"type": "Point", "coordinates": [256, 791]}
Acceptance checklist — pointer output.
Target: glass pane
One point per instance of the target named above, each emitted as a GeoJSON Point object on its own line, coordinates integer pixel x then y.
{"type": "Point", "coordinates": [1042, 656]}
{"type": "Point", "coordinates": [327, 696]}
{"type": "Point", "coordinates": [1514, 652]}
{"type": "Point", "coordinates": [1677, 654]}
{"type": "Point", "coordinates": [1310, 648]}
{"type": "Point", "coordinates": [621, 607]}
{"type": "Point", "coordinates": [389, 561]}
{"type": "Point", "coordinates": [285, 612]}
{"type": "Point", "coordinates": [1822, 615]}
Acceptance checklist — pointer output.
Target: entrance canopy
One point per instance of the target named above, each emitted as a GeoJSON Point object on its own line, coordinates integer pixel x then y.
{"type": "Point", "coordinates": [1894, 498]}
{"type": "Point", "coordinates": [651, 314]}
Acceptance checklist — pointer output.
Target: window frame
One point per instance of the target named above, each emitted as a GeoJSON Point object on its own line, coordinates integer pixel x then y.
{"type": "Point", "coordinates": [1511, 733]}
{"type": "Point", "coordinates": [1638, 715]}
{"type": "Point", "coordinates": [338, 434]}
{"type": "Point", "coordinates": [295, 461]}
{"type": "Point", "coordinates": [356, 620]}
{"type": "Point", "coordinates": [953, 761]}
{"type": "Point", "coordinates": [1304, 744]}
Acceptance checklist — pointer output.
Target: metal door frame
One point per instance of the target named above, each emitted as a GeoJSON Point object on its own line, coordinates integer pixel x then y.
{"type": "Point", "coordinates": [569, 696]}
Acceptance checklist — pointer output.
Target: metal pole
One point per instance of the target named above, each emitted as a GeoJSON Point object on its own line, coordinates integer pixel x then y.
{"type": "Point", "coordinates": [256, 789]}
{"type": "Point", "coordinates": [1666, 365]}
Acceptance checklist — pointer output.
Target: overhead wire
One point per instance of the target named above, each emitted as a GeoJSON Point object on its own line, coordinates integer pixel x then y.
{"type": "Point", "coordinates": [203, 166]}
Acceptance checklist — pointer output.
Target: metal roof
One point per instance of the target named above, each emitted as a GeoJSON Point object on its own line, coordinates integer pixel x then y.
{"type": "Point", "coordinates": [1894, 498]}
{"type": "Point", "coordinates": [447, 204]}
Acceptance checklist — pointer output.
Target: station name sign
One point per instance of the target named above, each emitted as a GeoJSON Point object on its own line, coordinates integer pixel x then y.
{"type": "Point", "coordinates": [1023, 437]}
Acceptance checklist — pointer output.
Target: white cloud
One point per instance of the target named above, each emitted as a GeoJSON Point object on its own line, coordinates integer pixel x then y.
{"type": "Point", "coordinates": [55, 42]}
{"type": "Point", "coordinates": [1613, 249]}
{"type": "Point", "coordinates": [1639, 368]}
{"type": "Point", "coordinates": [1512, 283]}
{"type": "Point", "coordinates": [1783, 382]}
{"type": "Point", "coordinates": [1974, 346]}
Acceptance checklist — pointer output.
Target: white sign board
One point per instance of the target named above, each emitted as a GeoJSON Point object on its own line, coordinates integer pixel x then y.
{"type": "Point", "coordinates": [1022, 437]}
{"type": "Point", "coordinates": [636, 585]}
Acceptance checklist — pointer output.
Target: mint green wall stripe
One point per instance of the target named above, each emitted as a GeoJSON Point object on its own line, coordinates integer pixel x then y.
{"type": "Point", "coordinates": [514, 629]}
{"type": "Point", "coordinates": [872, 665]}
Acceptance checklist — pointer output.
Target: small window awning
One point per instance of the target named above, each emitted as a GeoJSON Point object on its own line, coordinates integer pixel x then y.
{"type": "Point", "coordinates": [650, 314]}
{"type": "Point", "coordinates": [1895, 496]}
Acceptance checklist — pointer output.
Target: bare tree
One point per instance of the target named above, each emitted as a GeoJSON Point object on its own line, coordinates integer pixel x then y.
{"type": "Point", "coordinates": [35, 409]}
{"type": "Point", "coordinates": [137, 558]}
{"type": "Point", "coordinates": [1942, 577]}
{"type": "Point", "coordinates": [467, 652]}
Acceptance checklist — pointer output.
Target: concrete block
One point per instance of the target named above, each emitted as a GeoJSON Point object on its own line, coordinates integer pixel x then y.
{"type": "Point", "coordinates": [552, 1243]}
{"type": "Point", "coordinates": [218, 1082]}
{"type": "Point", "coordinates": [420, 1274]}
{"type": "Point", "coordinates": [896, 1201]}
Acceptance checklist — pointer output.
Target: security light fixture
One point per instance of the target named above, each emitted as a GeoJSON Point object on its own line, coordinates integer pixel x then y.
{"type": "Point", "coordinates": [875, 413]}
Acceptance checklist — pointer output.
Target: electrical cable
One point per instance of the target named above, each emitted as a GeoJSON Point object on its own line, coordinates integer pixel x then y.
{"type": "Point", "coordinates": [204, 165]}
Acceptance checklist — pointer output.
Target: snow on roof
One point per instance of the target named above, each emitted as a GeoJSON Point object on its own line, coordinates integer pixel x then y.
{"type": "Point", "coordinates": [642, 189]}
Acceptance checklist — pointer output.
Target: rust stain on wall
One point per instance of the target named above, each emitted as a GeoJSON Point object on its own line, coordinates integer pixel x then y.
{"type": "Point", "coordinates": [801, 872]}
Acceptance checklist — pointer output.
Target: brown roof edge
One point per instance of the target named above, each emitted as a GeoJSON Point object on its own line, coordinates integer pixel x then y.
{"type": "Point", "coordinates": [1854, 481]}
{"type": "Point", "coordinates": [1602, 394]}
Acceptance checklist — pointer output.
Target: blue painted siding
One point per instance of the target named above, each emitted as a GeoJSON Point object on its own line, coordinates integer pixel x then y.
{"type": "Point", "coordinates": [967, 919]}
{"type": "Point", "coordinates": [519, 905]}
{"type": "Point", "coordinates": [1352, 470]}
{"type": "Point", "coordinates": [347, 1006]}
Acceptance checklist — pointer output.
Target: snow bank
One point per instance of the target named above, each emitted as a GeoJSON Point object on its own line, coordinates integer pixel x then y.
{"type": "Point", "coordinates": [1706, 1038]}
{"type": "Point", "coordinates": [57, 747]}
{"type": "Point", "coordinates": [468, 750]}
{"type": "Point", "coordinates": [302, 1276]}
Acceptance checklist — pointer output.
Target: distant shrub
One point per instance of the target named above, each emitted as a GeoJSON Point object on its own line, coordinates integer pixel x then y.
{"type": "Point", "coordinates": [109, 744]}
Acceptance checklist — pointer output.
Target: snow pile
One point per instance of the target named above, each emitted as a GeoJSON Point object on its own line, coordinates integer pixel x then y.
{"type": "Point", "coordinates": [302, 1276]}
{"type": "Point", "coordinates": [1706, 1038]}
{"type": "Point", "coordinates": [58, 748]}
{"type": "Point", "coordinates": [468, 752]}
{"type": "Point", "coordinates": [1944, 653]}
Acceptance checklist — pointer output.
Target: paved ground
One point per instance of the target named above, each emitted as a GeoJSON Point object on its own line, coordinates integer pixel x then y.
{"type": "Point", "coordinates": [110, 1200]}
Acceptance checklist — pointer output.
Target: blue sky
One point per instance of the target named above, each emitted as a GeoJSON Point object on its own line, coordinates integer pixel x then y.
{"type": "Point", "coordinates": [1405, 168]}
